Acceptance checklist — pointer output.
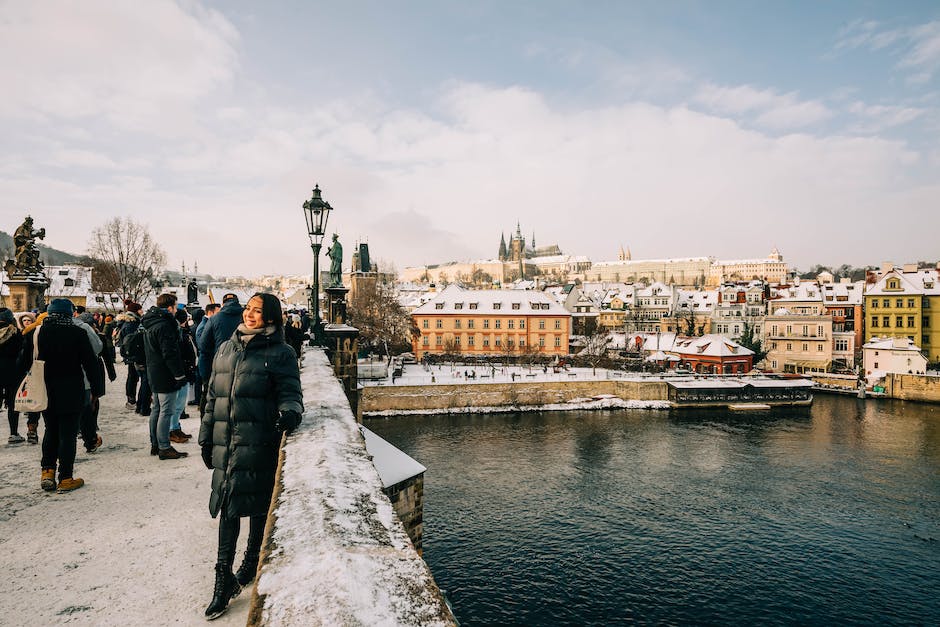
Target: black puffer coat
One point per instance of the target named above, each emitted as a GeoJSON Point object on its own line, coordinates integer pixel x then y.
{"type": "Point", "coordinates": [249, 385]}
{"type": "Point", "coordinates": [10, 342]}
{"type": "Point", "coordinates": [165, 370]}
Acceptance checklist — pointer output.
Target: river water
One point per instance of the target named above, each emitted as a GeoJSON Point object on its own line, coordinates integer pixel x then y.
{"type": "Point", "coordinates": [823, 516]}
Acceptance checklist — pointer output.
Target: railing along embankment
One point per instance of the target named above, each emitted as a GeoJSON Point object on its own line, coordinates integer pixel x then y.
{"type": "Point", "coordinates": [335, 553]}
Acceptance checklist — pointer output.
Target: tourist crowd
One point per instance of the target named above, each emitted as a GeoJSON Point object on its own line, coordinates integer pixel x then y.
{"type": "Point", "coordinates": [238, 364]}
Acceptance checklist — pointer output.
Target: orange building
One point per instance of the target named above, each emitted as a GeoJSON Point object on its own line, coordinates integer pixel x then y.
{"type": "Point", "coordinates": [491, 322]}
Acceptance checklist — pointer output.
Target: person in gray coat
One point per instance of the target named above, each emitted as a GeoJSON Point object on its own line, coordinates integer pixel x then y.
{"type": "Point", "coordinates": [254, 396]}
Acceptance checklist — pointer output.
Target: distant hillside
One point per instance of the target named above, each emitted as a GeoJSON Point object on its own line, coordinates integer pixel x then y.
{"type": "Point", "coordinates": [49, 256]}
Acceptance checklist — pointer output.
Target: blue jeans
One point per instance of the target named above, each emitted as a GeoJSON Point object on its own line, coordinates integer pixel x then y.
{"type": "Point", "coordinates": [164, 407]}
{"type": "Point", "coordinates": [181, 395]}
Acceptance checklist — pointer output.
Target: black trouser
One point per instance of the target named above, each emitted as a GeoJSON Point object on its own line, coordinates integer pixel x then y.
{"type": "Point", "coordinates": [228, 537]}
{"type": "Point", "coordinates": [8, 394]}
{"type": "Point", "coordinates": [89, 421]}
{"type": "Point", "coordinates": [130, 387]}
{"type": "Point", "coordinates": [58, 442]}
{"type": "Point", "coordinates": [143, 396]}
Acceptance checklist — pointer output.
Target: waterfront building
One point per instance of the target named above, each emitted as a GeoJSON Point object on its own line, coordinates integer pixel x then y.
{"type": "Point", "coordinates": [798, 342]}
{"type": "Point", "coordinates": [692, 312]}
{"type": "Point", "coordinates": [843, 302]}
{"type": "Point", "coordinates": [771, 269]}
{"type": "Point", "coordinates": [491, 322]}
{"type": "Point", "coordinates": [738, 305]}
{"type": "Point", "coordinates": [712, 353]}
{"type": "Point", "coordinates": [905, 303]}
{"type": "Point", "coordinates": [651, 305]}
{"type": "Point", "coordinates": [883, 355]}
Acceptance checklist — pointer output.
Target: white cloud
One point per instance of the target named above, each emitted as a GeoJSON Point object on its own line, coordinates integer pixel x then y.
{"type": "Point", "coordinates": [768, 108]}
{"type": "Point", "coordinates": [918, 46]}
{"type": "Point", "coordinates": [136, 64]}
{"type": "Point", "coordinates": [876, 118]}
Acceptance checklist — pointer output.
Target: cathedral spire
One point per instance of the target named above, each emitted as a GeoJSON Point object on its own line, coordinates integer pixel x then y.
{"type": "Point", "coordinates": [503, 253]}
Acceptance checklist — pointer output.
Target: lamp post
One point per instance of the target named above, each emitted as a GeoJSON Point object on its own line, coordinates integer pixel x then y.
{"type": "Point", "coordinates": [316, 212]}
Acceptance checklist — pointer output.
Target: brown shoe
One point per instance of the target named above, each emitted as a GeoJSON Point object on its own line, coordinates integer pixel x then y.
{"type": "Point", "coordinates": [171, 453]}
{"type": "Point", "coordinates": [94, 447]}
{"type": "Point", "coordinates": [69, 484]}
{"type": "Point", "coordinates": [48, 479]}
{"type": "Point", "coordinates": [177, 437]}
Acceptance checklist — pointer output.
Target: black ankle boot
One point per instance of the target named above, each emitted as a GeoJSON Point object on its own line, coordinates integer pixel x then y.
{"type": "Point", "coordinates": [246, 572]}
{"type": "Point", "coordinates": [226, 587]}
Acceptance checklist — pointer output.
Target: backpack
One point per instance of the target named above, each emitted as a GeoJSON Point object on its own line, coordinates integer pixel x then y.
{"type": "Point", "coordinates": [134, 348]}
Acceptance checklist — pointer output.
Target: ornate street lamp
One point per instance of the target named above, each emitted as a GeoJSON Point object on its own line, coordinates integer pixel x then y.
{"type": "Point", "coordinates": [316, 211]}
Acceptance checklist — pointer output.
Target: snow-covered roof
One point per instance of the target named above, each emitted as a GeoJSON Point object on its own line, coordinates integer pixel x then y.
{"type": "Point", "coordinates": [736, 383]}
{"type": "Point", "coordinates": [712, 345]}
{"type": "Point", "coordinates": [393, 465]}
{"type": "Point", "coordinates": [891, 344]}
{"type": "Point", "coordinates": [805, 291]}
{"type": "Point", "coordinates": [925, 282]}
{"type": "Point", "coordinates": [457, 300]}
{"type": "Point", "coordinates": [66, 281]}
{"type": "Point", "coordinates": [844, 293]}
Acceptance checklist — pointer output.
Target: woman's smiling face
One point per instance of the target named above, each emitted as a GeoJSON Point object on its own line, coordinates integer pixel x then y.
{"type": "Point", "coordinates": [252, 315]}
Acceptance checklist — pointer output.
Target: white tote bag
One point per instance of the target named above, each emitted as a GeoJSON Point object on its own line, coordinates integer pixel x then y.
{"type": "Point", "coordinates": [31, 395]}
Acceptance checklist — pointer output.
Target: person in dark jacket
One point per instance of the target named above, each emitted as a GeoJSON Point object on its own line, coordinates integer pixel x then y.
{"type": "Point", "coordinates": [10, 342]}
{"type": "Point", "coordinates": [130, 323]}
{"type": "Point", "coordinates": [254, 395]}
{"type": "Point", "coordinates": [211, 310]}
{"type": "Point", "coordinates": [165, 372]}
{"type": "Point", "coordinates": [218, 329]}
{"type": "Point", "coordinates": [68, 354]}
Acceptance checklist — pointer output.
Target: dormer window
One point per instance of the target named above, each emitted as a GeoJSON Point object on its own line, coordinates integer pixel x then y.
{"type": "Point", "coordinates": [515, 305]}
{"type": "Point", "coordinates": [69, 282]}
{"type": "Point", "coordinates": [438, 305]}
{"type": "Point", "coordinates": [458, 305]}
{"type": "Point", "coordinates": [474, 305]}
{"type": "Point", "coordinates": [497, 305]}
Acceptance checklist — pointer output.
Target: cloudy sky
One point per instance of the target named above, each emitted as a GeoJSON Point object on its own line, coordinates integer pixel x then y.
{"type": "Point", "coordinates": [675, 129]}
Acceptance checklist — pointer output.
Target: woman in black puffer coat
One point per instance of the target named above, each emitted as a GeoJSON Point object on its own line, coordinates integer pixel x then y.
{"type": "Point", "coordinates": [253, 396]}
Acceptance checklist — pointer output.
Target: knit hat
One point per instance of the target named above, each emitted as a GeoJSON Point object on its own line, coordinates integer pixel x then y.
{"type": "Point", "coordinates": [61, 306]}
{"type": "Point", "coordinates": [6, 315]}
{"type": "Point", "coordinates": [87, 318]}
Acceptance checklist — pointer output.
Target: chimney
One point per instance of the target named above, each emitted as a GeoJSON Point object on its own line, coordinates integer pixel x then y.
{"type": "Point", "coordinates": [910, 267]}
{"type": "Point", "coordinates": [887, 267]}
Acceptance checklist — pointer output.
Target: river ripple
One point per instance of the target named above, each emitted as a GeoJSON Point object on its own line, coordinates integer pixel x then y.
{"type": "Point", "coordinates": [821, 516]}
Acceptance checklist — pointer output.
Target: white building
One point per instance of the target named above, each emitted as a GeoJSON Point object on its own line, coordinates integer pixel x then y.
{"type": "Point", "coordinates": [892, 354]}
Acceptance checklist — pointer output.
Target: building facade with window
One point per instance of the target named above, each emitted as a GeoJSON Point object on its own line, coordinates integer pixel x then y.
{"type": "Point", "coordinates": [798, 342]}
{"type": "Point", "coordinates": [905, 303]}
{"type": "Point", "coordinates": [491, 322]}
{"type": "Point", "coordinates": [892, 354]}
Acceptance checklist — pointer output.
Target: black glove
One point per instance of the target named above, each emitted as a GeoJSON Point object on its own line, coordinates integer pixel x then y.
{"type": "Point", "coordinates": [287, 421]}
{"type": "Point", "coordinates": [207, 456]}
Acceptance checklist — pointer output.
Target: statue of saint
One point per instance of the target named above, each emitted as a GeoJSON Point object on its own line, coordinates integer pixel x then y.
{"type": "Point", "coordinates": [335, 253]}
{"type": "Point", "coordinates": [26, 258]}
{"type": "Point", "coordinates": [192, 293]}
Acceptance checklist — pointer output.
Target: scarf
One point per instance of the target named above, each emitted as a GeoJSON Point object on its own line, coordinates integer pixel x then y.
{"type": "Point", "coordinates": [245, 335]}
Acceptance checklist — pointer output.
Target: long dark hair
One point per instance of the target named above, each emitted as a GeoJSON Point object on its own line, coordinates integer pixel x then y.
{"type": "Point", "coordinates": [270, 309]}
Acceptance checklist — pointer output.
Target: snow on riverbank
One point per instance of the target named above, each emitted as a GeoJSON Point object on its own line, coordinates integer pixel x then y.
{"type": "Point", "coordinates": [599, 403]}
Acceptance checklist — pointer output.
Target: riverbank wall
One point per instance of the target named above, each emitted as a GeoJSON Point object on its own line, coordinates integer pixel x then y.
{"type": "Point", "coordinates": [913, 387]}
{"type": "Point", "coordinates": [444, 398]}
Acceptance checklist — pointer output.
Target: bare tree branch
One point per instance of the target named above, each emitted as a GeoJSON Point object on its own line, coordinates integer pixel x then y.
{"type": "Point", "coordinates": [126, 258]}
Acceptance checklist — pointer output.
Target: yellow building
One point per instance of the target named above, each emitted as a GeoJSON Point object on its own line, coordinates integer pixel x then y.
{"type": "Point", "coordinates": [491, 322]}
{"type": "Point", "coordinates": [905, 303]}
{"type": "Point", "coordinates": [798, 342]}
{"type": "Point", "coordinates": [772, 270]}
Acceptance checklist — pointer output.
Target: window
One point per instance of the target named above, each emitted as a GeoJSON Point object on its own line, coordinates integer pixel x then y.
{"type": "Point", "coordinates": [63, 272]}
{"type": "Point", "coordinates": [789, 329]}
{"type": "Point", "coordinates": [424, 324]}
{"type": "Point", "coordinates": [773, 346]}
{"type": "Point", "coordinates": [819, 330]}
{"type": "Point", "coordinates": [874, 303]}
{"type": "Point", "coordinates": [819, 348]}
{"type": "Point", "coordinates": [910, 322]}
{"type": "Point", "coordinates": [457, 341]}
{"type": "Point", "coordinates": [925, 321]}
{"type": "Point", "coordinates": [425, 340]}
{"type": "Point", "coordinates": [557, 341]}
{"type": "Point", "coordinates": [876, 364]}
{"type": "Point", "coordinates": [497, 305]}
{"type": "Point", "coordinates": [510, 324]}
{"type": "Point", "coordinates": [521, 343]}
{"type": "Point", "coordinates": [773, 364]}
{"type": "Point", "coordinates": [439, 305]}
{"type": "Point", "coordinates": [842, 345]}
{"type": "Point", "coordinates": [498, 342]}
{"type": "Point", "coordinates": [773, 329]}
{"type": "Point", "coordinates": [486, 342]}
{"type": "Point", "coordinates": [558, 324]}
{"type": "Point", "coordinates": [515, 305]}
{"type": "Point", "coordinates": [805, 330]}
{"type": "Point", "coordinates": [910, 303]}
{"type": "Point", "coordinates": [541, 324]}
{"type": "Point", "coordinates": [470, 341]}
{"type": "Point", "coordinates": [805, 347]}
{"type": "Point", "coordinates": [486, 324]}
{"type": "Point", "coordinates": [438, 324]}
{"type": "Point", "coordinates": [522, 324]}
{"type": "Point", "coordinates": [541, 341]}
{"type": "Point", "coordinates": [899, 321]}
{"type": "Point", "coordinates": [789, 346]}
{"type": "Point", "coordinates": [545, 305]}
{"type": "Point", "coordinates": [470, 323]}
{"type": "Point", "coordinates": [439, 340]}
{"type": "Point", "coordinates": [886, 303]}
{"type": "Point", "coordinates": [899, 302]}
{"type": "Point", "coordinates": [474, 305]}
{"type": "Point", "coordinates": [69, 282]}
{"type": "Point", "coordinates": [874, 322]}
{"type": "Point", "coordinates": [498, 324]}
{"type": "Point", "coordinates": [458, 305]}
{"type": "Point", "coordinates": [99, 299]}
{"type": "Point", "coordinates": [886, 321]}
{"type": "Point", "coordinates": [457, 323]}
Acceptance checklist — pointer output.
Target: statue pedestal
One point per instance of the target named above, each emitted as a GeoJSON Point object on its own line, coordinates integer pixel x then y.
{"type": "Point", "coordinates": [26, 291]}
{"type": "Point", "coordinates": [336, 304]}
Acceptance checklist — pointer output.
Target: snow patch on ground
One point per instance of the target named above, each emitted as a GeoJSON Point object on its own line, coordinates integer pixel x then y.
{"type": "Point", "coordinates": [581, 404]}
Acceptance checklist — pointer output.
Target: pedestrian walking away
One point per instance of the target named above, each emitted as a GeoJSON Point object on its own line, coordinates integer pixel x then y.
{"type": "Point", "coordinates": [69, 360]}
{"type": "Point", "coordinates": [254, 396]}
{"type": "Point", "coordinates": [11, 340]}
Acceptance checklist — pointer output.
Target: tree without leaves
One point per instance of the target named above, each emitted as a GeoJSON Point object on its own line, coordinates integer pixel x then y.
{"type": "Point", "coordinates": [380, 318]}
{"type": "Point", "coordinates": [127, 257]}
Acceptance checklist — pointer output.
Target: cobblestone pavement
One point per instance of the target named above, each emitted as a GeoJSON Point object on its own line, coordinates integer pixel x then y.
{"type": "Point", "coordinates": [134, 546]}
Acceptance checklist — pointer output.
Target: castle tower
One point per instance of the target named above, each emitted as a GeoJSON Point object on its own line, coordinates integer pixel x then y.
{"type": "Point", "coordinates": [503, 253]}
{"type": "Point", "coordinates": [775, 255]}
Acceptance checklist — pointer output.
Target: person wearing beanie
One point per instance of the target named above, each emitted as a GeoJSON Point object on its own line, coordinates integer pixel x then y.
{"type": "Point", "coordinates": [70, 359]}
{"type": "Point", "coordinates": [11, 339]}
{"type": "Point", "coordinates": [88, 423]}
{"type": "Point", "coordinates": [136, 372]}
